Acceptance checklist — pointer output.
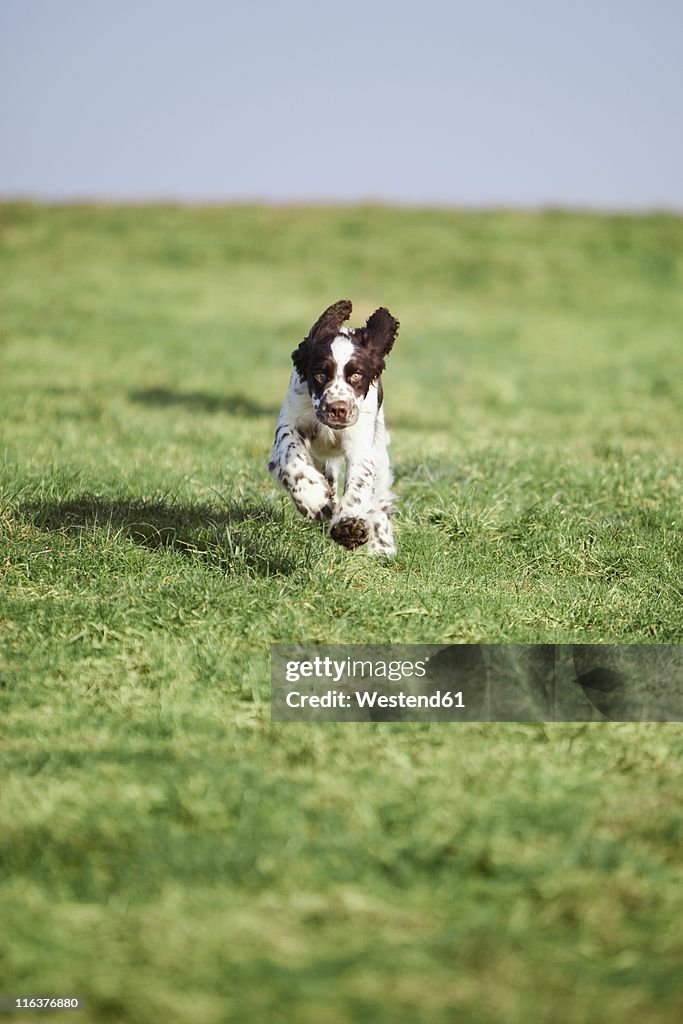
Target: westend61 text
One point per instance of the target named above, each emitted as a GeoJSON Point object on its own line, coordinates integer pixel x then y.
{"type": "Point", "coordinates": [372, 699]}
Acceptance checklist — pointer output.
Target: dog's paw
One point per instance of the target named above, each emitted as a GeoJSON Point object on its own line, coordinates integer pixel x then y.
{"type": "Point", "coordinates": [350, 532]}
{"type": "Point", "coordinates": [382, 538]}
{"type": "Point", "coordinates": [381, 549]}
{"type": "Point", "coordinates": [312, 496]}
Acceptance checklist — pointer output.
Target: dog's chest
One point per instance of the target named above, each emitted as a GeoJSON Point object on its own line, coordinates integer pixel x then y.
{"type": "Point", "coordinates": [324, 441]}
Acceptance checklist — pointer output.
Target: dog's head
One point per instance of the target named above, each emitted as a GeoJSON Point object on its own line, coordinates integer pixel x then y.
{"type": "Point", "coordinates": [339, 364]}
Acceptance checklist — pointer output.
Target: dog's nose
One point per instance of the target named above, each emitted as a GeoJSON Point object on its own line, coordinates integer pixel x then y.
{"type": "Point", "coordinates": [338, 412]}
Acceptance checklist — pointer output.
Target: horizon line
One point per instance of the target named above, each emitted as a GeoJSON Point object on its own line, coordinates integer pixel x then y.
{"type": "Point", "coordinates": [215, 202]}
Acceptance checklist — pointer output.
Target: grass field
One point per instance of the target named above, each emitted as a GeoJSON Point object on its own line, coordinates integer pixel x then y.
{"type": "Point", "coordinates": [165, 850]}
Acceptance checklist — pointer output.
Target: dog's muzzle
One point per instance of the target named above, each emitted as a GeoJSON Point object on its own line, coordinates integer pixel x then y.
{"type": "Point", "coordinates": [337, 414]}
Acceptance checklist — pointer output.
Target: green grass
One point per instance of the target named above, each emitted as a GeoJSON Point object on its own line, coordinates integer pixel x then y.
{"type": "Point", "coordinates": [169, 853]}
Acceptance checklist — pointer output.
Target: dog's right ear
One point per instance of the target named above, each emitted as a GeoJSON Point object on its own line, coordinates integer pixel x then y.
{"type": "Point", "coordinates": [329, 323]}
{"type": "Point", "coordinates": [300, 358]}
{"type": "Point", "coordinates": [331, 320]}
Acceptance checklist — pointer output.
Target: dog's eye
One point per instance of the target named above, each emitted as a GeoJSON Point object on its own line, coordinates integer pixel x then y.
{"type": "Point", "coordinates": [320, 378]}
{"type": "Point", "coordinates": [355, 377]}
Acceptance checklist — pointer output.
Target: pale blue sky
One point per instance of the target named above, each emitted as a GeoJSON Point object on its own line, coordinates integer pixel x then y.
{"type": "Point", "coordinates": [475, 103]}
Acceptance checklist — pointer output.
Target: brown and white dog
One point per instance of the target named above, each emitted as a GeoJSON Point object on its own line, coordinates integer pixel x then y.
{"type": "Point", "coordinates": [332, 413]}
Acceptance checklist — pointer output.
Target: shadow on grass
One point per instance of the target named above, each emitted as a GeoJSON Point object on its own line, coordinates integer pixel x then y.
{"type": "Point", "coordinates": [234, 538]}
{"type": "Point", "coordinates": [240, 405]}
{"type": "Point", "coordinates": [201, 401]}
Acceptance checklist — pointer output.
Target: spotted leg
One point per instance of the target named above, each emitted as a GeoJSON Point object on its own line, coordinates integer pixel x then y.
{"type": "Point", "coordinates": [350, 525]}
{"type": "Point", "coordinates": [292, 465]}
{"type": "Point", "coordinates": [381, 528]}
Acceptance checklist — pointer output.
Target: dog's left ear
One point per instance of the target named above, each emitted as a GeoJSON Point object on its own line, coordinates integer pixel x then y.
{"type": "Point", "coordinates": [380, 332]}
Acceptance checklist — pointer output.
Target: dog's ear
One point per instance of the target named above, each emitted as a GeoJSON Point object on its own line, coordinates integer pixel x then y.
{"type": "Point", "coordinates": [331, 320]}
{"type": "Point", "coordinates": [379, 333]}
{"type": "Point", "coordinates": [300, 358]}
{"type": "Point", "coordinates": [329, 323]}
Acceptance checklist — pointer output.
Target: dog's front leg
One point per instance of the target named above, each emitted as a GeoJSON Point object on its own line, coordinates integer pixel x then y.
{"type": "Point", "coordinates": [350, 526]}
{"type": "Point", "coordinates": [292, 465]}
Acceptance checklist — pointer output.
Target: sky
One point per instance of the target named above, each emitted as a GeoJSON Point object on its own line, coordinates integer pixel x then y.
{"type": "Point", "coordinates": [428, 102]}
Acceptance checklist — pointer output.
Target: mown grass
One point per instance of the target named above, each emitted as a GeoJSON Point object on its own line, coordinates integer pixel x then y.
{"type": "Point", "coordinates": [169, 853]}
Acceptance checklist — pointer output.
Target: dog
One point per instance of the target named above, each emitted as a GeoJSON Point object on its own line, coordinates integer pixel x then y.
{"type": "Point", "coordinates": [333, 413]}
